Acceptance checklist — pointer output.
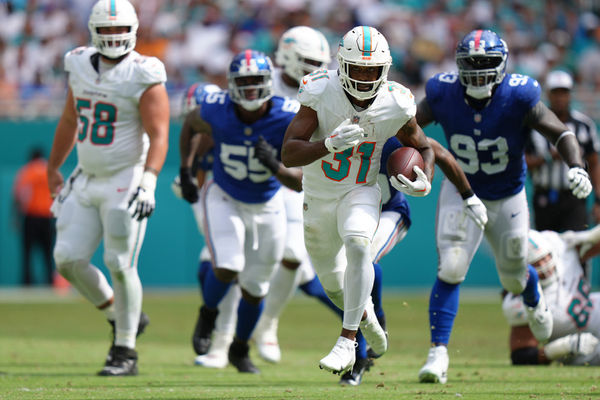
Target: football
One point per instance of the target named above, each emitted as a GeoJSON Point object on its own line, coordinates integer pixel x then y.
{"type": "Point", "coordinates": [402, 161]}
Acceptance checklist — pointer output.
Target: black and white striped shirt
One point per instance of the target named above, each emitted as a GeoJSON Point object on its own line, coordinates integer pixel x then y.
{"type": "Point", "coordinates": [553, 174]}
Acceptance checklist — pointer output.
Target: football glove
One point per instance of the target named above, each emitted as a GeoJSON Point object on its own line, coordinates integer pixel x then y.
{"type": "Point", "coordinates": [345, 136]}
{"type": "Point", "coordinates": [579, 182]}
{"type": "Point", "coordinates": [576, 344]}
{"type": "Point", "coordinates": [475, 209]}
{"type": "Point", "coordinates": [189, 190]}
{"type": "Point", "coordinates": [142, 200]}
{"type": "Point", "coordinates": [266, 154]}
{"type": "Point", "coordinates": [419, 188]}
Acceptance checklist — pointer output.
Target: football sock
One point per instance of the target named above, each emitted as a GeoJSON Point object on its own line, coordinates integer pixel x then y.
{"type": "Point", "coordinates": [227, 317]}
{"type": "Point", "coordinates": [376, 292]}
{"type": "Point", "coordinates": [358, 280]}
{"type": "Point", "coordinates": [315, 289]}
{"type": "Point", "coordinates": [361, 345]}
{"type": "Point", "coordinates": [203, 267]}
{"type": "Point", "coordinates": [443, 306]}
{"type": "Point", "coordinates": [128, 305]}
{"type": "Point", "coordinates": [109, 311]}
{"type": "Point", "coordinates": [530, 295]}
{"type": "Point", "coordinates": [248, 315]}
{"type": "Point", "coordinates": [213, 289]}
{"type": "Point", "coordinates": [281, 290]}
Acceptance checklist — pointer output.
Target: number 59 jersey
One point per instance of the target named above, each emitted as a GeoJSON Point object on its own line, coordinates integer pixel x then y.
{"type": "Point", "coordinates": [110, 133]}
{"type": "Point", "coordinates": [336, 174]}
{"type": "Point", "coordinates": [488, 144]}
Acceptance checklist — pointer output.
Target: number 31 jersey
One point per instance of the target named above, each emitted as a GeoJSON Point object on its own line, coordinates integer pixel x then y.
{"type": "Point", "coordinates": [110, 133]}
{"type": "Point", "coordinates": [336, 174]}
{"type": "Point", "coordinates": [488, 143]}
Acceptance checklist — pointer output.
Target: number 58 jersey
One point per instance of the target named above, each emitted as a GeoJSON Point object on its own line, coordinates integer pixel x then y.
{"type": "Point", "coordinates": [110, 133]}
{"type": "Point", "coordinates": [336, 174]}
{"type": "Point", "coordinates": [488, 144]}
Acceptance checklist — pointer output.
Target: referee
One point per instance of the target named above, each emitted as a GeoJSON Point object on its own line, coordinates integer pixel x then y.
{"type": "Point", "coordinates": [554, 207]}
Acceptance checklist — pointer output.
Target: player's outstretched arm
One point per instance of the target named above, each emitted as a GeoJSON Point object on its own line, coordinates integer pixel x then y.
{"type": "Point", "coordinates": [297, 148]}
{"type": "Point", "coordinates": [64, 140]}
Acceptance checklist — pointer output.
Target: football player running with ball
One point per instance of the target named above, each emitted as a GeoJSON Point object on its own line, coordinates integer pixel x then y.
{"type": "Point", "coordinates": [337, 137]}
{"type": "Point", "coordinates": [117, 115]}
{"type": "Point", "coordinates": [485, 115]}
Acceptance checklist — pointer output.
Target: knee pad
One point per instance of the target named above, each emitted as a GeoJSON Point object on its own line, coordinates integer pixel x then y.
{"type": "Point", "coordinates": [118, 223]}
{"type": "Point", "coordinates": [62, 254]}
{"type": "Point", "coordinates": [454, 264]}
{"type": "Point", "coordinates": [511, 262]}
{"type": "Point", "coordinates": [357, 246]}
{"type": "Point", "coordinates": [337, 297]}
{"type": "Point", "coordinates": [68, 269]}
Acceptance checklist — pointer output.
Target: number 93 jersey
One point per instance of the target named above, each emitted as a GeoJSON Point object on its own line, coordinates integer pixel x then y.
{"type": "Point", "coordinates": [110, 133]}
{"type": "Point", "coordinates": [337, 173]}
{"type": "Point", "coordinates": [235, 168]}
{"type": "Point", "coordinates": [488, 144]}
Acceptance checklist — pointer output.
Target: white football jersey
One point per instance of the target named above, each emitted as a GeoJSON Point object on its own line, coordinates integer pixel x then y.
{"type": "Point", "coordinates": [567, 296]}
{"type": "Point", "coordinates": [337, 173]}
{"type": "Point", "coordinates": [111, 136]}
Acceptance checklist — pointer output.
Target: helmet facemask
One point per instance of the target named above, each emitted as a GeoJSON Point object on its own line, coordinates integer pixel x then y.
{"type": "Point", "coordinates": [540, 256]}
{"type": "Point", "coordinates": [479, 74]}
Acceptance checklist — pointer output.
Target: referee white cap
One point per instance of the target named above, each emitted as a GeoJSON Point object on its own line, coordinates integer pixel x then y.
{"type": "Point", "coordinates": [559, 80]}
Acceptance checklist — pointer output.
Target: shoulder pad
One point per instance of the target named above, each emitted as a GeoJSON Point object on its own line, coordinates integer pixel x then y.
{"type": "Point", "coordinates": [76, 55]}
{"type": "Point", "coordinates": [149, 70]}
{"type": "Point", "coordinates": [313, 85]}
{"type": "Point", "coordinates": [397, 103]}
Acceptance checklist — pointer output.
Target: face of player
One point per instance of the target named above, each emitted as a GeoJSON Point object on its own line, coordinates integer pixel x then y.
{"type": "Point", "coordinates": [113, 30]}
{"type": "Point", "coordinates": [544, 266]}
{"type": "Point", "coordinates": [252, 92]}
{"type": "Point", "coordinates": [364, 74]}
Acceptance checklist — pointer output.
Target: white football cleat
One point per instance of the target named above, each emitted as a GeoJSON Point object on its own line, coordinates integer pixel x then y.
{"type": "Point", "coordinates": [217, 354]}
{"type": "Point", "coordinates": [540, 318]}
{"type": "Point", "coordinates": [373, 332]}
{"type": "Point", "coordinates": [341, 358]}
{"type": "Point", "coordinates": [265, 336]}
{"type": "Point", "coordinates": [435, 369]}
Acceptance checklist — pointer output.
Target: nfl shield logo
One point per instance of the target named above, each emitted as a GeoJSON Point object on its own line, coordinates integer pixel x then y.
{"type": "Point", "coordinates": [247, 131]}
{"type": "Point", "coordinates": [355, 119]}
{"type": "Point", "coordinates": [477, 118]}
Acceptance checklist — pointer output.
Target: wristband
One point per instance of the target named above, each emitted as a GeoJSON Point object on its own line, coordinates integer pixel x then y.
{"type": "Point", "coordinates": [562, 136]}
{"type": "Point", "coordinates": [466, 194]}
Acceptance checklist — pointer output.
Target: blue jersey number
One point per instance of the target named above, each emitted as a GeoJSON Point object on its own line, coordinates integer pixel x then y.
{"type": "Point", "coordinates": [467, 151]}
{"type": "Point", "coordinates": [244, 165]}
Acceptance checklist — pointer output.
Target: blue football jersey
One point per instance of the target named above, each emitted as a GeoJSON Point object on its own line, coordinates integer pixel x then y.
{"type": "Point", "coordinates": [489, 143]}
{"type": "Point", "coordinates": [392, 199]}
{"type": "Point", "coordinates": [235, 168]}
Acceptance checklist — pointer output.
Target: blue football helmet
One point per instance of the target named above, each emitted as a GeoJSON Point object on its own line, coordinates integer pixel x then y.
{"type": "Point", "coordinates": [195, 94]}
{"type": "Point", "coordinates": [481, 60]}
{"type": "Point", "coordinates": [250, 79]}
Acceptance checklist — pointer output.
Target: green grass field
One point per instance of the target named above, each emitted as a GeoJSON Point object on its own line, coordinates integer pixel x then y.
{"type": "Point", "coordinates": [52, 348]}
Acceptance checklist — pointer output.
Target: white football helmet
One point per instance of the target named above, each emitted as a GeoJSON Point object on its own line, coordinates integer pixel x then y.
{"type": "Point", "coordinates": [299, 44]}
{"type": "Point", "coordinates": [538, 248]}
{"type": "Point", "coordinates": [363, 46]}
{"type": "Point", "coordinates": [106, 13]}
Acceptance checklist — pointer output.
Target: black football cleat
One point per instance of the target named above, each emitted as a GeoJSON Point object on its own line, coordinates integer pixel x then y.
{"type": "Point", "coordinates": [144, 322]}
{"type": "Point", "coordinates": [123, 363]}
{"type": "Point", "coordinates": [354, 377]}
{"type": "Point", "coordinates": [205, 325]}
{"type": "Point", "coordinates": [239, 358]}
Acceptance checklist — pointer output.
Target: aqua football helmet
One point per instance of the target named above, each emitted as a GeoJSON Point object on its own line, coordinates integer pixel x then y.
{"type": "Point", "coordinates": [112, 13]}
{"type": "Point", "coordinates": [250, 79]}
{"type": "Point", "coordinates": [539, 255]}
{"type": "Point", "coordinates": [481, 59]}
{"type": "Point", "coordinates": [366, 47]}
{"type": "Point", "coordinates": [302, 50]}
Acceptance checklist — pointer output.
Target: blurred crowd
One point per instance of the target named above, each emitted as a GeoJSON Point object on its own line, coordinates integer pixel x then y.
{"type": "Point", "coordinates": [197, 38]}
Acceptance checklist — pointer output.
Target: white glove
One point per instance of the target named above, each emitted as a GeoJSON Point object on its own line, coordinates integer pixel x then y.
{"type": "Point", "coordinates": [579, 182]}
{"type": "Point", "coordinates": [419, 188]}
{"type": "Point", "coordinates": [142, 199]}
{"type": "Point", "coordinates": [346, 135]}
{"type": "Point", "coordinates": [475, 209]}
{"type": "Point", "coordinates": [576, 344]}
